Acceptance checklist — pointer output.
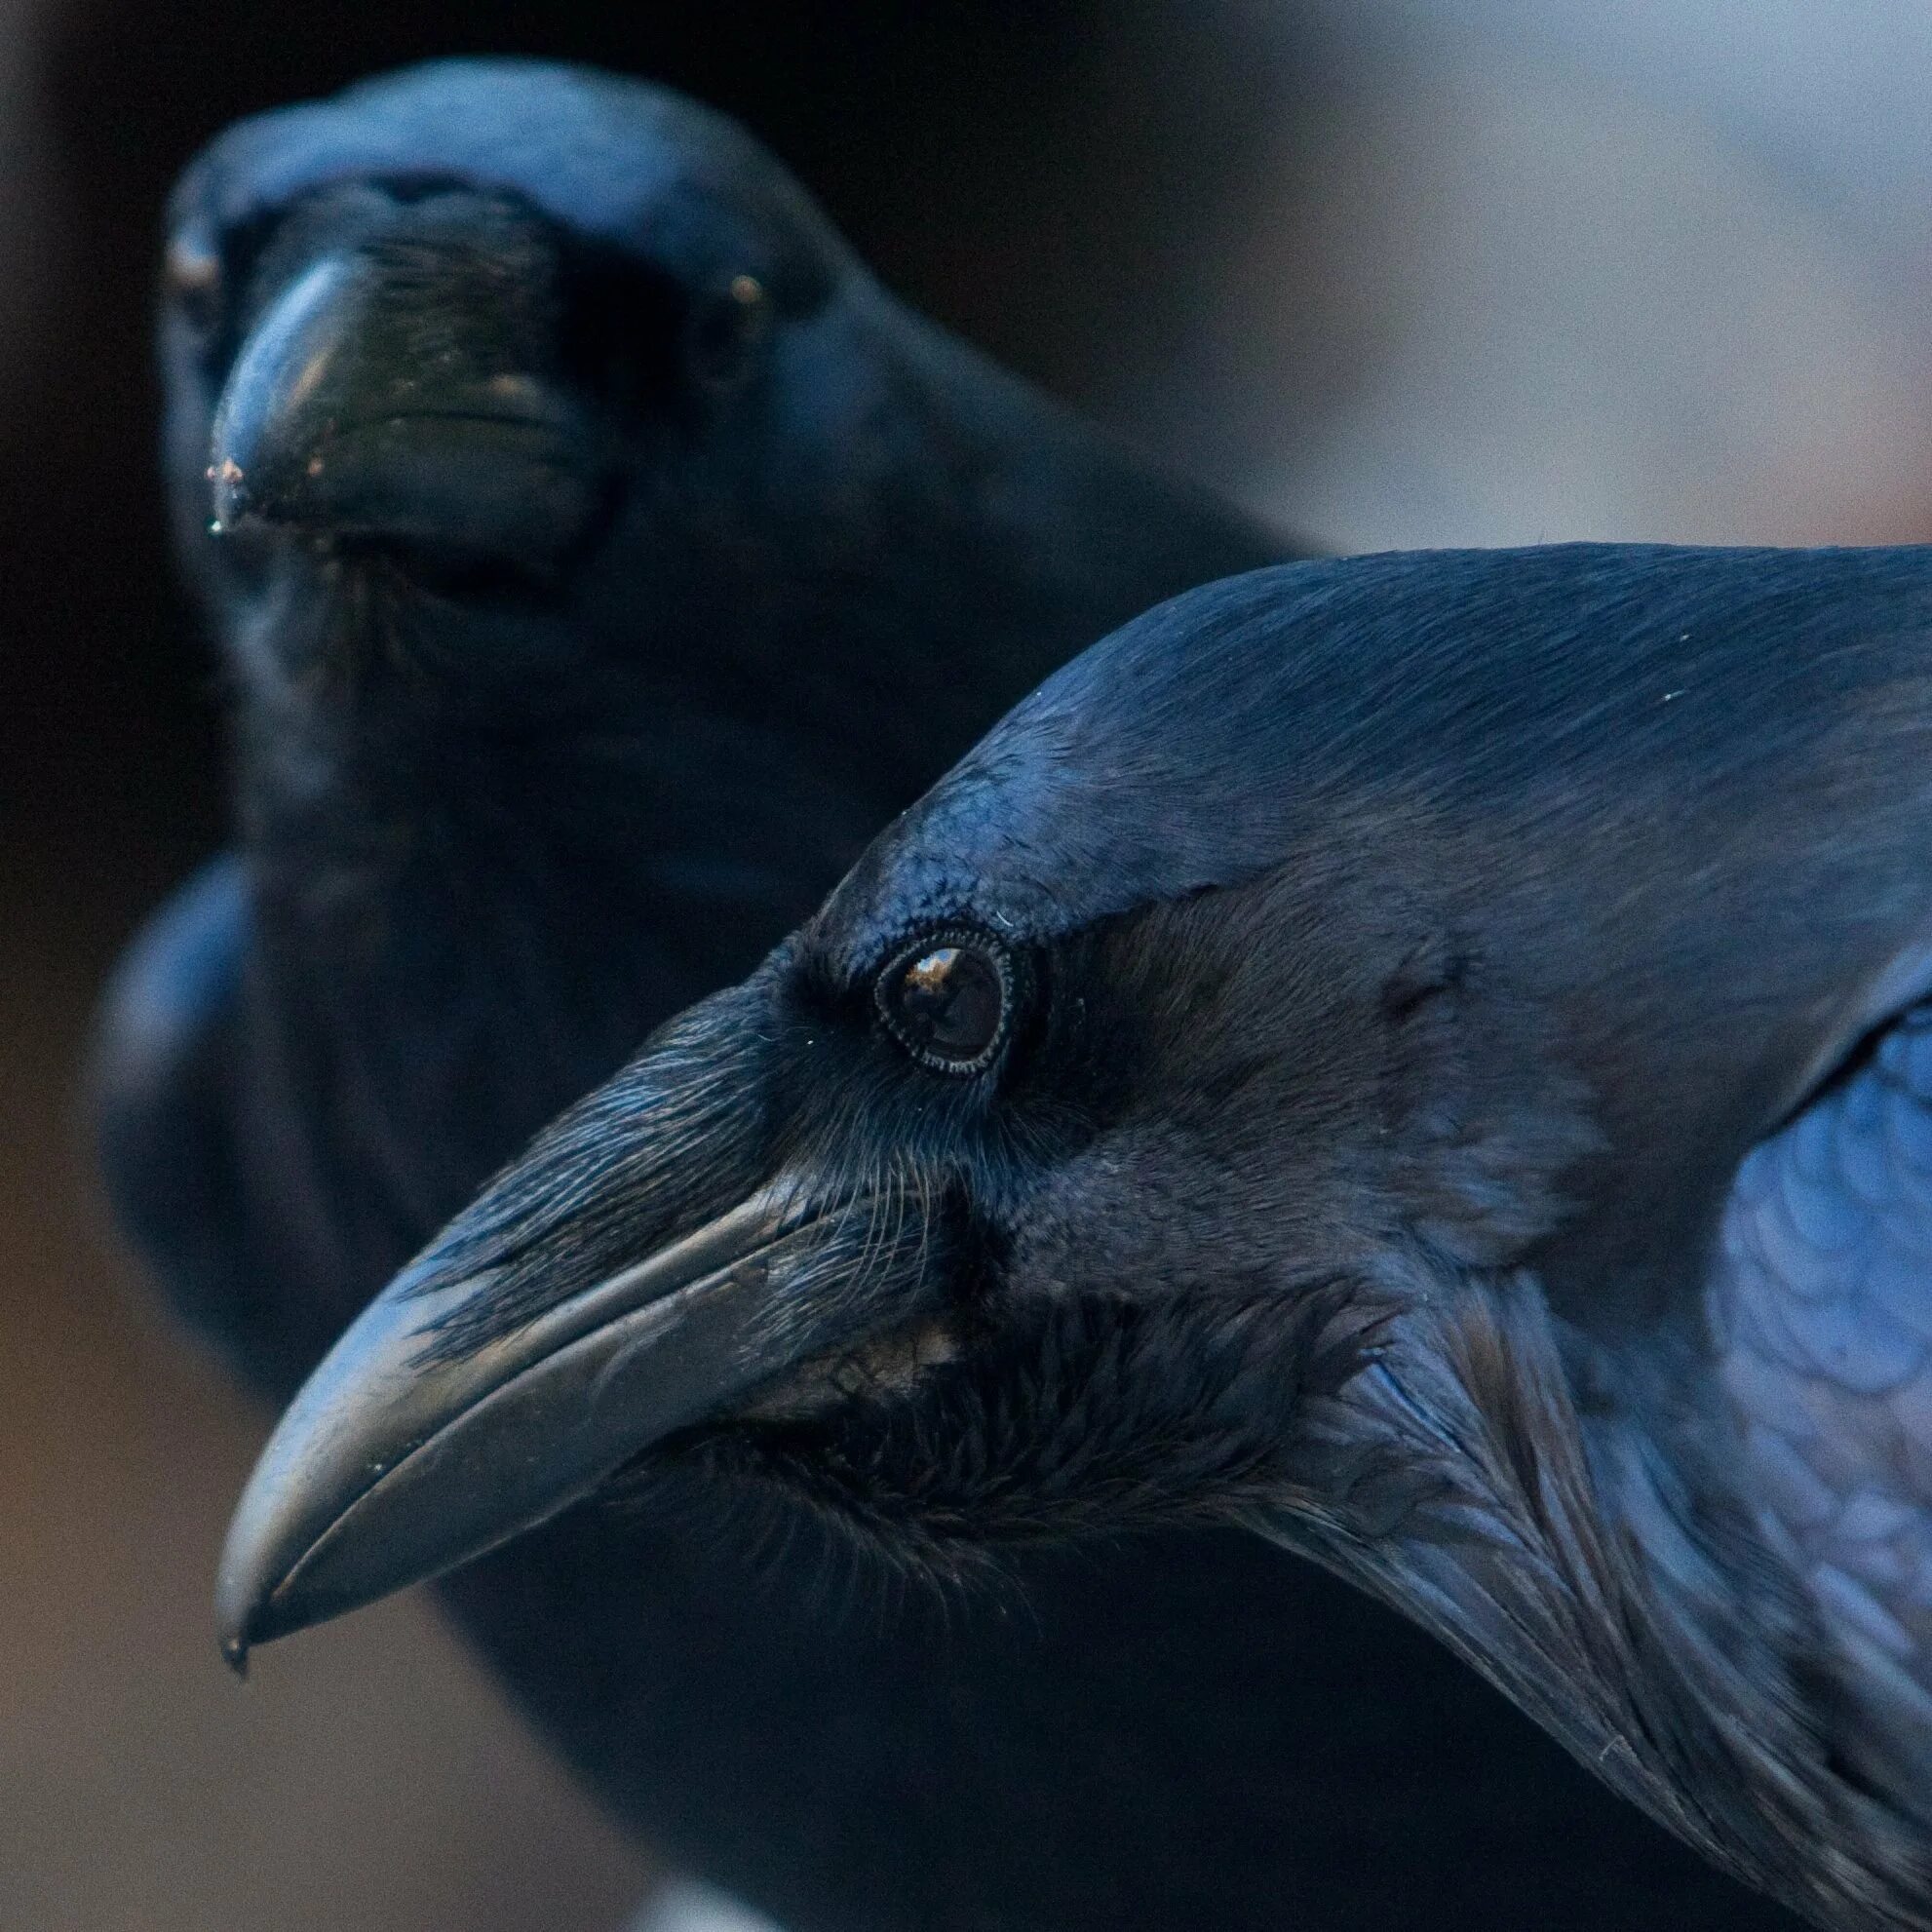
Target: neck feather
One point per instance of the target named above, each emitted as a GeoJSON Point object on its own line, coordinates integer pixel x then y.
{"type": "Point", "coordinates": [1583, 1567]}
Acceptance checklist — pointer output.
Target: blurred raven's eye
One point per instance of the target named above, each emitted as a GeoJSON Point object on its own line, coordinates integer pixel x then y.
{"type": "Point", "coordinates": [949, 1000]}
{"type": "Point", "coordinates": [725, 330]}
{"type": "Point", "coordinates": [192, 273]}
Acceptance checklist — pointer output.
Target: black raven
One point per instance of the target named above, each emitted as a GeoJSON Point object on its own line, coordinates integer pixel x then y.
{"type": "Point", "coordinates": [604, 557]}
{"type": "Point", "coordinates": [1426, 1058]}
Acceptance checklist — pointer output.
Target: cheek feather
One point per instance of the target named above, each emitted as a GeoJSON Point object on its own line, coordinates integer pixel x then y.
{"type": "Point", "coordinates": [1071, 1421]}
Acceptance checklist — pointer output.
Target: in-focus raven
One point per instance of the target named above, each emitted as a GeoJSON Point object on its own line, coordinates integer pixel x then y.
{"type": "Point", "coordinates": [1428, 1058]}
{"type": "Point", "coordinates": [604, 558]}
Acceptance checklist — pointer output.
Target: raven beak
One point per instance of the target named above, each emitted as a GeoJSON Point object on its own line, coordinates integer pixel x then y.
{"type": "Point", "coordinates": [503, 1376]}
{"type": "Point", "coordinates": [382, 404]}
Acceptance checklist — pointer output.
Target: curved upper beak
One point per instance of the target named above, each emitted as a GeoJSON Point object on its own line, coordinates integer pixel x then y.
{"type": "Point", "coordinates": [405, 401]}
{"type": "Point", "coordinates": [536, 1348]}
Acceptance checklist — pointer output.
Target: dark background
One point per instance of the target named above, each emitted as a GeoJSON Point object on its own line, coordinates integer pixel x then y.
{"type": "Point", "coordinates": [1394, 272]}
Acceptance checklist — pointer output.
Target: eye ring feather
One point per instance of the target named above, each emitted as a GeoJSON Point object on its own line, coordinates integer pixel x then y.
{"type": "Point", "coordinates": [951, 998]}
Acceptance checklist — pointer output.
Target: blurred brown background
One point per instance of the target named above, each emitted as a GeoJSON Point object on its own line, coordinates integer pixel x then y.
{"type": "Point", "coordinates": [1398, 270]}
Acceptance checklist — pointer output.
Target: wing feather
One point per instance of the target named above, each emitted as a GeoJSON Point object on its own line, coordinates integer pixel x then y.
{"type": "Point", "coordinates": [1821, 1301]}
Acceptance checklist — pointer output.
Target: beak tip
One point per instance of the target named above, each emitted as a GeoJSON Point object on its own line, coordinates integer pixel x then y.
{"type": "Point", "coordinates": [244, 1606]}
{"type": "Point", "coordinates": [228, 492]}
{"type": "Point", "coordinates": [245, 1619]}
{"type": "Point", "coordinates": [237, 1626]}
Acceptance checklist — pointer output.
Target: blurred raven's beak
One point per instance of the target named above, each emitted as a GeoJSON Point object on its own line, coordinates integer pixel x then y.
{"type": "Point", "coordinates": [620, 1283]}
{"type": "Point", "coordinates": [403, 400]}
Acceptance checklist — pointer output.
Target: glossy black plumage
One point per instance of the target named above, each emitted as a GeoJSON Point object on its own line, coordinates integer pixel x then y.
{"type": "Point", "coordinates": [1465, 1113]}
{"type": "Point", "coordinates": [496, 825]}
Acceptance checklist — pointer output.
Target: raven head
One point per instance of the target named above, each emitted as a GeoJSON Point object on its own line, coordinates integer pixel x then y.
{"type": "Point", "coordinates": [511, 393]}
{"type": "Point", "coordinates": [1317, 955]}
{"type": "Point", "coordinates": [1050, 1179]}
{"type": "Point", "coordinates": [502, 373]}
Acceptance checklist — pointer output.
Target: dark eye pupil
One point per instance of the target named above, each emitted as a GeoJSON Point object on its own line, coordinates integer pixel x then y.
{"type": "Point", "coordinates": [950, 1002]}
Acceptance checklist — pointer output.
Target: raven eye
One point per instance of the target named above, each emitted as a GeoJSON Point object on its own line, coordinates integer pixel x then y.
{"type": "Point", "coordinates": [724, 330]}
{"type": "Point", "coordinates": [949, 1000]}
{"type": "Point", "coordinates": [192, 272]}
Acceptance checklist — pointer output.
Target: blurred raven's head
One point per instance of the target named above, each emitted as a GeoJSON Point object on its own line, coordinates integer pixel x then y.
{"type": "Point", "coordinates": [489, 372]}
{"type": "Point", "coordinates": [504, 393]}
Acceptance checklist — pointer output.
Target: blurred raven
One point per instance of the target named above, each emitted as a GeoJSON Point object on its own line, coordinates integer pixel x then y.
{"type": "Point", "coordinates": [602, 558]}
{"type": "Point", "coordinates": [1427, 1058]}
